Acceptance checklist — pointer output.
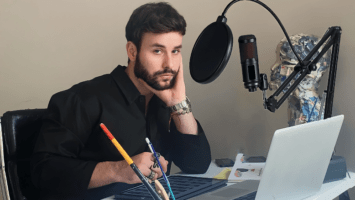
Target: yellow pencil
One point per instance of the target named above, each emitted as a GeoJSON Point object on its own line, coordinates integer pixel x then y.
{"type": "Point", "coordinates": [130, 162]}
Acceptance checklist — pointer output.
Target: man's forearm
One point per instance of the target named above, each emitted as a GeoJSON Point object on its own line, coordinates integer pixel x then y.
{"type": "Point", "coordinates": [103, 174]}
{"type": "Point", "coordinates": [192, 154]}
{"type": "Point", "coordinates": [186, 123]}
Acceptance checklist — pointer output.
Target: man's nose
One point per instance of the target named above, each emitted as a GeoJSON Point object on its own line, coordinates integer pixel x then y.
{"type": "Point", "coordinates": [168, 61]}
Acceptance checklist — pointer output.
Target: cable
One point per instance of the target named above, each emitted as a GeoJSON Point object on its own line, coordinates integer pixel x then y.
{"type": "Point", "coordinates": [277, 19]}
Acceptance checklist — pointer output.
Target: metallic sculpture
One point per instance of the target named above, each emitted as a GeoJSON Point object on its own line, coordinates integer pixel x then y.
{"type": "Point", "coordinates": [304, 103]}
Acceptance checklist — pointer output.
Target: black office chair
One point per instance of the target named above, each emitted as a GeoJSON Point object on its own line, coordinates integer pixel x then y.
{"type": "Point", "coordinates": [20, 130]}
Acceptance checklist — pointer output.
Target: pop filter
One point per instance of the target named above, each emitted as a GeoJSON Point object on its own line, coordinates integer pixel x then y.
{"type": "Point", "coordinates": [211, 51]}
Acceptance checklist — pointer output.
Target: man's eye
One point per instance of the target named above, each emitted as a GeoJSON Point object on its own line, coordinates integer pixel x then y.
{"type": "Point", "coordinates": [176, 51]}
{"type": "Point", "coordinates": [157, 51]}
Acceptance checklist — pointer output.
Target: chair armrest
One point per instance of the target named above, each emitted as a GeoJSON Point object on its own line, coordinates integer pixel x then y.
{"type": "Point", "coordinates": [4, 189]}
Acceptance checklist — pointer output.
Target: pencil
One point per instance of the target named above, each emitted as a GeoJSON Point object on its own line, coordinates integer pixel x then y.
{"type": "Point", "coordinates": [161, 168]}
{"type": "Point", "coordinates": [130, 162]}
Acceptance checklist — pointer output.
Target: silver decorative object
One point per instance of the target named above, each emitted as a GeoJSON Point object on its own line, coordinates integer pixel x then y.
{"type": "Point", "coordinates": [304, 103]}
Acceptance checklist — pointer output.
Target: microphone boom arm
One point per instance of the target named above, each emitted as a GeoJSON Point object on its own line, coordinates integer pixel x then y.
{"type": "Point", "coordinates": [304, 67]}
{"type": "Point", "coordinates": [332, 36]}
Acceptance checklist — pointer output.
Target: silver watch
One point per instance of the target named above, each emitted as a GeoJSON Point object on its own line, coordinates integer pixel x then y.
{"type": "Point", "coordinates": [184, 106]}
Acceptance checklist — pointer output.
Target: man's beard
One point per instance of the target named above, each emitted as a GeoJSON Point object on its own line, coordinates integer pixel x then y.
{"type": "Point", "coordinates": [140, 71]}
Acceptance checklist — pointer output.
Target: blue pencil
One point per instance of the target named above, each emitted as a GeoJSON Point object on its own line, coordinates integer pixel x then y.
{"type": "Point", "coordinates": [161, 168]}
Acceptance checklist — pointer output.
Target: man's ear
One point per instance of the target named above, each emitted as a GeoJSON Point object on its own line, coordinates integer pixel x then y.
{"type": "Point", "coordinates": [131, 51]}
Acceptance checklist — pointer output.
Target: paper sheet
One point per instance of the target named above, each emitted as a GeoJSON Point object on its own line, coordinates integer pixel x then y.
{"type": "Point", "coordinates": [253, 171]}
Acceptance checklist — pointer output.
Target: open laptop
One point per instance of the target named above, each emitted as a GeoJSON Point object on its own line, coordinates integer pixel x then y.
{"type": "Point", "coordinates": [296, 164]}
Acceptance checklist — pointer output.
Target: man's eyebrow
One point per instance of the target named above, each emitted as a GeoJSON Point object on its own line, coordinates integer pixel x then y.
{"type": "Point", "coordinates": [157, 45]}
{"type": "Point", "coordinates": [162, 46]}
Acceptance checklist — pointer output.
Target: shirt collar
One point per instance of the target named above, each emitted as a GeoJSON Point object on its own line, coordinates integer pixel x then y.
{"type": "Point", "coordinates": [129, 90]}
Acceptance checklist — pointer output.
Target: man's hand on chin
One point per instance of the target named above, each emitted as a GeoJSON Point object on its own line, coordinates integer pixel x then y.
{"type": "Point", "coordinates": [174, 95]}
{"type": "Point", "coordinates": [185, 123]}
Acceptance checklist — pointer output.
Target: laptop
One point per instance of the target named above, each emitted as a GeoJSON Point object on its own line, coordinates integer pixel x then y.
{"type": "Point", "coordinates": [296, 164]}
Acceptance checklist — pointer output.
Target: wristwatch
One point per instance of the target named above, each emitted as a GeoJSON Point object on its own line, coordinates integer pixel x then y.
{"type": "Point", "coordinates": [183, 107]}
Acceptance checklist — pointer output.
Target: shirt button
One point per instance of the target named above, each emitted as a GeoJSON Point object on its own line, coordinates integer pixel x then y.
{"type": "Point", "coordinates": [141, 99]}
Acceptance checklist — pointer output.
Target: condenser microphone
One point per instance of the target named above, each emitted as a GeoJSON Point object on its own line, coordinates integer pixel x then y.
{"type": "Point", "coordinates": [249, 61]}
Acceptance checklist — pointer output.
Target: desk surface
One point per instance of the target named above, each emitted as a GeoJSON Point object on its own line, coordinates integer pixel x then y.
{"type": "Point", "coordinates": [328, 191]}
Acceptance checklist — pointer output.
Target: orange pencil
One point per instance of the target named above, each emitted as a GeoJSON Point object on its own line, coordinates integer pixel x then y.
{"type": "Point", "coordinates": [115, 142]}
{"type": "Point", "coordinates": [130, 162]}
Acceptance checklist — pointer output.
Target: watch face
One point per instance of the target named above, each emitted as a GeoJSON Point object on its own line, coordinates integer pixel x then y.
{"type": "Point", "coordinates": [184, 104]}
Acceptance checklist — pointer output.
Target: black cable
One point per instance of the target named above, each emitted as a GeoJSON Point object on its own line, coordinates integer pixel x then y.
{"type": "Point", "coordinates": [229, 5]}
{"type": "Point", "coordinates": [277, 19]}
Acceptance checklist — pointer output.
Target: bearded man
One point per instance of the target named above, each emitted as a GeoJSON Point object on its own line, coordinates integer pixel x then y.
{"type": "Point", "coordinates": [74, 159]}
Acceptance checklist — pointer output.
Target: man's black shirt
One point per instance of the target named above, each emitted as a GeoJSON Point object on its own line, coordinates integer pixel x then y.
{"type": "Point", "coordinates": [71, 141]}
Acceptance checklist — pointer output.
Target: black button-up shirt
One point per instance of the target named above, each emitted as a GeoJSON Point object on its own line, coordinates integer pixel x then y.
{"type": "Point", "coordinates": [71, 141]}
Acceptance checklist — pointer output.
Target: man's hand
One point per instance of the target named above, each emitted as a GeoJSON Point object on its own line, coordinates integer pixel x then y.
{"type": "Point", "coordinates": [144, 161]}
{"type": "Point", "coordinates": [174, 95]}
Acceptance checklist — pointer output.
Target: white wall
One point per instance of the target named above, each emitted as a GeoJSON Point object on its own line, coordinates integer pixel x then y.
{"type": "Point", "coordinates": [47, 46]}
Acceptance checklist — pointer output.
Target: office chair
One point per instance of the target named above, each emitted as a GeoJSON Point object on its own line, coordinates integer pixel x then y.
{"type": "Point", "coordinates": [20, 130]}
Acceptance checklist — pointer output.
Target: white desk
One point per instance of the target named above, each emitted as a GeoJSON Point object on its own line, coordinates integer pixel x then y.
{"type": "Point", "coordinates": [328, 191]}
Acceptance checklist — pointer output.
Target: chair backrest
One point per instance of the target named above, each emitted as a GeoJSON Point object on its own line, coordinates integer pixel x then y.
{"type": "Point", "coordinates": [20, 130]}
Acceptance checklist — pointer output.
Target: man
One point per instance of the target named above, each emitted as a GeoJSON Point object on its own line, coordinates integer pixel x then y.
{"type": "Point", "coordinates": [73, 157]}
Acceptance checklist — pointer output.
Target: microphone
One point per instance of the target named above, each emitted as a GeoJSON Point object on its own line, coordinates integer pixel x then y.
{"type": "Point", "coordinates": [213, 49]}
{"type": "Point", "coordinates": [249, 61]}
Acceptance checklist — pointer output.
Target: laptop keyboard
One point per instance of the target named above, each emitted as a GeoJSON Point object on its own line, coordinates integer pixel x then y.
{"type": "Point", "coordinates": [184, 187]}
{"type": "Point", "coordinates": [250, 196]}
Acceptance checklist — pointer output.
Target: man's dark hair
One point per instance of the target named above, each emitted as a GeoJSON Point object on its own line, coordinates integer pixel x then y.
{"type": "Point", "coordinates": [156, 18]}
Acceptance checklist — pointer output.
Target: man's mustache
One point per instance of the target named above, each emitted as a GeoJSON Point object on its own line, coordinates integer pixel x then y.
{"type": "Point", "coordinates": [165, 71]}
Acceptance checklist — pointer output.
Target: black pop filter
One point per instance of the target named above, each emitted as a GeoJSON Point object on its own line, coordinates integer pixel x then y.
{"type": "Point", "coordinates": [211, 51]}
